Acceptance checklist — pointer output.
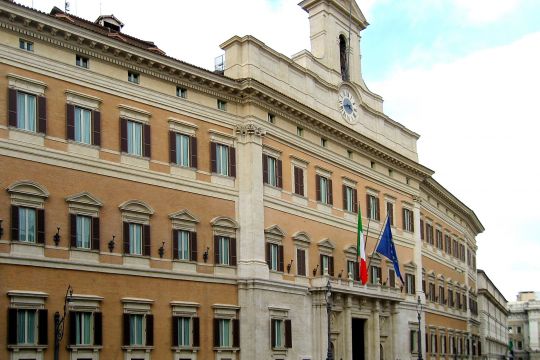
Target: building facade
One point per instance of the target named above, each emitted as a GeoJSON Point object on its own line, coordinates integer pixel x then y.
{"type": "Point", "coordinates": [523, 324]}
{"type": "Point", "coordinates": [493, 313]}
{"type": "Point", "coordinates": [202, 215]}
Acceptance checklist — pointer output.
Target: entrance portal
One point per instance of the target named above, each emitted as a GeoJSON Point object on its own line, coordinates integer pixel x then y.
{"type": "Point", "coordinates": [358, 351]}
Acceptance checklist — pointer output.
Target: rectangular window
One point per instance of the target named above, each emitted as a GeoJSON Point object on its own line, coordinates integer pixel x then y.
{"type": "Point", "coordinates": [224, 332]}
{"type": "Point", "coordinates": [26, 326]}
{"type": "Point", "coordinates": [83, 231]}
{"type": "Point", "coordinates": [350, 154]}
{"type": "Point", "coordinates": [413, 337]}
{"type": "Point", "coordinates": [183, 245]}
{"type": "Point", "coordinates": [277, 333]}
{"type": "Point", "coordinates": [438, 239]}
{"type": "Point", "coordinates": [182, 150]}
{"type": "Point", "coordinates": [324, 142]}
{"type": "Point", "coordinates": [26, 111]}
{"type": "Point", "coordinates": [272, 171]}
{"type": "Point", "coordinates": [447, 244]}
{"type": "Point", "coordinates": [433, 344]}
{"type": "Point", "coordinates": [181, 92]}
{"type": "Point", "coordinates": [83, 125]}
{"type": "Point", "coordinates": [410, 283]}
{"type": "Point", "coordinates": [301, 262]}
{"type": "Point", "coordinates": [391, 278]}
{"type": "Point", "coordinates": [184, 331]}
{"type": "Point", "coordinates": [375, 275]}
{"type": "Point", "coordinates": [300, 131]}
{"type": "Point", "coordinates": [224, 249]}
{"type": "Point", "coordinates": [351, 269]}
{"type": "Point", "coordinates": [373, 207]}
{"type": "Point", "coordinates": [431, 291]}
{"type": "Point", "coordinates": [324, 190]}
{"type": "Point", "coordinates": [134, 138]}
{"type": "Point", "coordinates": [274, 256]}
{"type": "Point", "coordinates": [390, 212]}
{"type": "Point", "coordinates": [81, 61]}
{"type": "Point", "coordinates": [429, 233]}
{"type": "Point", "coordinates": [83, 328]}
{"type": "Point", "coordinates": [27, 224]}
{"type": "Point", "coordinates": [222, 105]}
{"type": "Point", "coordinates": [327, 265]}
{"type": "Point", "coordinates": [26, 45]}
{"type": "Point", "coordinates": [443, 344]}
{"type": "Point", "coordinates": [222, 159]}
{"type": "Point", "coordinates": [135, 239]}
{"type": "Point", "coordinates": [133, 77]}
{"type": "Point", "coordinates": [299, 181]}
{"type": "Point", "coordinates": [450, 298]}
{"type": "Point", "coordinates": [441, 295]}
{"type": "Point", "coordinates": [349, 199]}
{"type": "Point", "coordinates": [408, 224]}
{"type": "Point", "coordinates": [271, 118]}
{"type": "Point", "coordinates": [136, 329]}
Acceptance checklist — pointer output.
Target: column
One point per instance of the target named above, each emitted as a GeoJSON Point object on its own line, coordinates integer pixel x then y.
{"type": "Point", "coordinates": [347, 327]}
{"type": "Point", "coordinates": [376, 347]}
{"type": "Point", "coordinates": [534, 318]}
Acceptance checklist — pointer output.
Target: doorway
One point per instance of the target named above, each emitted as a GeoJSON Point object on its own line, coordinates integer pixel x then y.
{"type": "Point", "coordinates": [358, 351]}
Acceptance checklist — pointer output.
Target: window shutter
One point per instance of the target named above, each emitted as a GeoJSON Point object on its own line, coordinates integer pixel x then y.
{"type": "Point", "coordinates": [147, 152]}
{"type": "Point", "coordinates": [378, 208]}
{"type": "Point", "coordinates": [331, 265]}
{"type": "Point", "coordinates": [330, 192]}
{"type": "Point", "coordinates": [216, 249]}
{"type": "Point", "coordinates": [193, 245]}
{"type": "Point", "coordinates": [12, 107]}
{"type": "Point", "coordinates": [232, 162]}
{"type": "Point", "coordinates": [175, 244]}
{"type": "Point", "coordinates": [70, 121]}
{"type": "Point", "coordinates": [72, 328]}
{"type": "Point", "coordinates": [301, 182]}
{"type": "Point", "coordinates": [356, 271]}
{"type": "Point", "coordinates": [344, 192]}
{"type": "Point", "coordinates": [412, 221]}
{"type": "Point", "coordinates": [43, 334]}
{"type": "Point", "coordinates": [296, 183]}
{"type": "Point", "coordinates": [421, 229]}
{"type": "Point", "coordinates": [196, 332]}
{"type": "Point", "coordinates": [193, 151]}
{"type": "Point", "coordinates": [123, 135]}
{"type": "Point", "coordinates": [280, 258]}
{"type": "Point", "coordinates": [172, 147]}
{"type": "Point", "coordinates": [232, 251]}
{"type": "Point", "coordinates": [174, 331]}
{"type": "Point", "coordinates": [368, 206]}
{"type": "Point", "coordinates": [236, 333]}
{"type": "Point", "coordinates": [149, 330]}
{"type": "Point", "coordinates": [96, 128]}
{"type": "Point", "coordinates": [126, 238]}
{"type": "Point", "coordinates": [98, 328]}
{"type": "Point", "coordinates": [301, 262]}
{"type": "Point", "coordinates": [318, 187]}
{"type": "Point", "coordinates": [355, 201]}
{"type": "Point", "coordinates": [42, 114]}
{"type": "Point", "coordinates": [265, 168]}
{"type": "Point", "coordinates": [404, 219]}
{"type": "Point", "coordinates": [40, 226]}
{"type": "Point", "coordinates": [146, 240]}
{"type": "Point", "coordinates": [268, 259]}
{"type": "Point", "coordinates": [390, 212]}
{"type": "Point", "coordinates": [288, 334]}
{"type": "Point", "coordinates": [279, 172]}
{"type": "Point", "coordinates": [12, 326]}
{"type": "Point", "coordinates": [14, 223]}
{"type": "Point", "coordinates": [216, 332]}
{"type": "Point", "coordinates": [273, 332]}
{"type": "Point", "coordinates": [95, 233]}
{"type": "Point", "coordinates": [73, 230]}
{"type": "Point", "coordinates": [321, 262]}
{"type": "Point", "coordinates": [213, 157]}
{"type": "Point", "coordinates": [126, 340]}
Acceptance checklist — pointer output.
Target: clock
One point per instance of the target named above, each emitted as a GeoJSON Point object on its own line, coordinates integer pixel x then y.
{"type": "Point", "coordinates": [348, 106]}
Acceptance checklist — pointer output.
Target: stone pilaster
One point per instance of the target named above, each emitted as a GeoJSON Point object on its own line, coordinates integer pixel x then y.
{"type": "Point", "coordinates": [418, 262]}
{"type": "Point", "coordinates": [376, 330]}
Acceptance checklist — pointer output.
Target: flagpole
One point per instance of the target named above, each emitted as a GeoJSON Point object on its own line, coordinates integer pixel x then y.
{"type": "Point", "coordinates": [378, 241]}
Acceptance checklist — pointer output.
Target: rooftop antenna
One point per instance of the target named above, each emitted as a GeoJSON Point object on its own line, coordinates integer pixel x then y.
{"type": "Point", "coordinates": [66, 6]}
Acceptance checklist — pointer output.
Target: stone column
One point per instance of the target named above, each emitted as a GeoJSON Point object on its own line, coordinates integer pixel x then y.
{"type": "Point", "coordinates": [376, 344]}
{"type": "Point", "coordinates": [347, 327]}
{"type": "Point", "coordinates": [251, 249]}
{"type": "Point", "coordinates": [534, 318]}
{"type": "Point", "coordinates": [418, 262]}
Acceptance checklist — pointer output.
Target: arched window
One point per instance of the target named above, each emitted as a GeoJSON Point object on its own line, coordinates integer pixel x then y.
{"type": "Point", "coordinates": [343, 57]}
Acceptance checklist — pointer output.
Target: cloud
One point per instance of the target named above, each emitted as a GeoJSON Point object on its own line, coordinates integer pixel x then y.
{"type": "Point", "coordinates": [485, 11]}
{"type": "Point", "coordinates": [478, 117]}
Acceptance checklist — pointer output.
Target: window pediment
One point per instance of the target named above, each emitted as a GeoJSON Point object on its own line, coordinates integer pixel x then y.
{"type": "Point", "coordinates": [301, 238]}
{"type": "Point", "coordinates": [183, 219]}
{"type": "Point", "coordinates": [28, 193]}
{"type": "Point", "coordinates": [275, 233]}
{"type": "Point", "coordinates": [224, 226]}
{"type": "Point", "coordinates": [326, 245]}
{"type": "Point", "coordinates": [410, 266]}
{"type": "Point", "coordinates": [136, 211]}
{"type": "Point", "coordinates": [85, 198]}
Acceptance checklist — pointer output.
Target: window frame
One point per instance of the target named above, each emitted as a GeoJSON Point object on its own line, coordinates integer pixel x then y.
{"type": "Point", "coordinates": [134, 77]}
{"type": "Point", "coordinates": [82, 61]}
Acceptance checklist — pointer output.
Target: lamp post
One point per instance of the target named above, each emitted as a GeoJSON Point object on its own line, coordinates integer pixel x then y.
{"type": "Point", "coordinates": [59, 322]}
{"type": "Point", "coordinates": [419, 309]}
{"type": "Point", "coordinates": [329, 354]}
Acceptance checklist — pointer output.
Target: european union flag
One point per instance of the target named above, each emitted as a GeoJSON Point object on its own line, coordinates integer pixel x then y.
{"type": "Point", "coordinates": [387, 248]}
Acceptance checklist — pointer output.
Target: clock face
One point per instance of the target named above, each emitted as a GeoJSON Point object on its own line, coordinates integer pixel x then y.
{"type": "Point", "coordinates": [348, 106]}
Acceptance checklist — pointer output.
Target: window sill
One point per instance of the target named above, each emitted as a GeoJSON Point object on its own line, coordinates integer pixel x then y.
{"type": "Point", "coordinates": [137, 348]}
{"type": "Point", "coordinates": [83, 149]}
{"type": "Point", "coordinates": [85, 347]}
{"type": "Point", "coordinates": [183, 171]}
{"type": "Point", "coordinates": [324, 207]}
{"type": "Point", "coordinates": [185, 349]}
{"type": "Point", "coordinates": [26, 136]}
{"type": "Point", "coordinates": [226, 349]}
{"type": "Point", "coordinates": [222, 179]}
{"type": "Point", "coordinates": [27, 347]}
{"type": "Point", "coordinates": [272, 190]}
{"type": "Point", "coordinates": [135, 160]}
{"type": "Point", "coordinates": [299, 199]}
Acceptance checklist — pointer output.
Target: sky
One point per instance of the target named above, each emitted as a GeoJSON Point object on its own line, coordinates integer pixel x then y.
{"type": "Point", "coordinates": [464, 74]}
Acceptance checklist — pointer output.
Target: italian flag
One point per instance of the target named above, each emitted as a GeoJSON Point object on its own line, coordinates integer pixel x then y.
{"type": "Point", "coordinates": [361, 250]}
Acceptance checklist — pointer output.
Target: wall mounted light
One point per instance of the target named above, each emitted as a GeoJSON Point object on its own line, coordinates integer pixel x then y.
{"type": "Point", "coordinates": [111, 244]}
{"type": "Point", "coordinates": [161, 250]}
{"type": "Point", "coordinates": [289, 265]}
{"type": "Point", "coordinates": [340, 274]}
{"type": "Point", "coordinates": [56, 236]}
{"type": "Point", "coordinates": [205, 254]}
{"type": "Point", "coordinates": [315, 270]}
{"type": "Point", "coordinates": [1, 229]}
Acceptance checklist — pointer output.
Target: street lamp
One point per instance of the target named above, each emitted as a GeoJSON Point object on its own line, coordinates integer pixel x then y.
{"type": "Point", "coordinates": [419, 308]}
{"type": "Point", "coordinates": [329, 354]}
{"type": "Point", "coordinates": [59, 322]}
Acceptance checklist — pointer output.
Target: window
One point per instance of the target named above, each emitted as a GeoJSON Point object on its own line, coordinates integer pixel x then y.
{"type": "Point", "coordinates": [519, 345]}
{"type": "Point", "coordinates": [324, 142]}
{"type": "Point", "coordinates": [27, 224]}
{"type": "Point", "coordinates": [390, 212]}
{"type": "Point", "coordinates": [413, 341]}
{"type": "Point", "coordinates": [443, 344]}
{"type": "Point", "coordinates": [450, 298]}
{"type": "Point", "coordinates": [324, 189]}
{"type": "Point", "coordinates": [431, 292]}
{"type": "Point", "coordinates": [429, 233]}
{"type": "Point", "coordinates": [353, 270]}
{"type": "Point", "coordinates": [225, 250]}
{"type": "Point", "coordinates": [83, 231]}
{"type": "Point", "coordinates": [274, 256]}
{"type": "Point", "coordinates": [376, 275]}
{"type": "Point", "coordinates": [184, 332]}
{"type": "Point", "coordinates": [222, 105]}
{"type": "Point", "coordinates": [441, 295]}
{"type": "Point", "coordinates": [27, 326]}
{"type": "Point", "coordinates": [135, 138]}
{"type": "Point", "coordinates": [350, 199]}
{"type": "Point", "coordinates": [434, 344]}
{"type": "Point", "coordinates": [83, 121]}
{"type": "Point", "coordinates": [184, 247]}
{"type": "Point", "coordinates": [83, 326]}
{"type": "Point", "coordinates": [391, 278]}
{"type": "Point", "coordinates": [301, 262]}
{"type": "Point", "coordinates": [299, 181]}
{"type": "Point", "coordinates": [372, 164]}
{"type": "Point", "coordinates": [271, 118]}
{"type": "Point", "coordinates": [26, 45]}
{"type": "Point", "coordinates": [422, 237]}
{"type": "Point", "coordinates": [280, 333]}
{"type": "Point", "coordinates": [350, 154]}
{"type": "Point", "coordinates": [327, 265]}
{"type": "Point", "coordinates": [26, 111]}
{"type": "Point", "coordinates": [272, 171]}
{"type": "Point", "coordinates": [83, 125]}
{"type": "Point", "coordinates": [27, 107]}
{"type": "Point", "coordinates": [390, 172]}
{"type": "Point", "coordinates": [224, 332]}
{"type": "Point", "coordinates": [81, 61]}
{"type": "Point", "coordinates": [519, 329]}
{"type": "Point", "coordinates": [138, 329]}
{"type": "Point", "coordinates": [438, 239]}
{"type": "Point", "coordinates": [373, 211]}
{"type": "Point", "coordinates": [136, 239]}
{"type": "Point", "coordinates": [181, 92]}
{"type": "Point", "coordinates": [133, 77]}
{"type": "Point", "coordinates": [408, 220]}
{"type": "Point", "coordinates": [223, 159]}
{"type": "Point", "coordinates": [300, 131]}
{"type": "Point", "coordinates": [410, 284]}
{"type": "Point", "coordinates": [447, 244]}
{"type": "Point", "coordinates": [183, 149]}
